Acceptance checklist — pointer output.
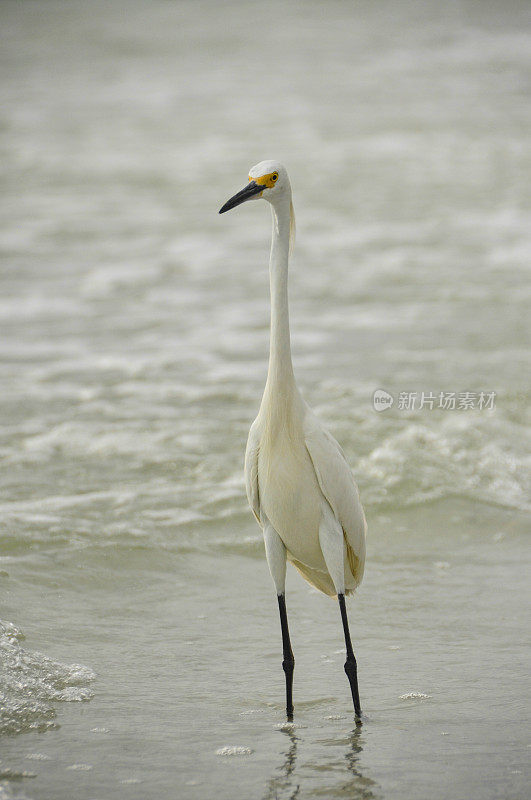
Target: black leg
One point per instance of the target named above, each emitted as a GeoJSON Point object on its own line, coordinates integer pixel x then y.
{"type": "Point", "coordinates": [288, 662]}
{"type": "Point", "coordinates": [351, 667]}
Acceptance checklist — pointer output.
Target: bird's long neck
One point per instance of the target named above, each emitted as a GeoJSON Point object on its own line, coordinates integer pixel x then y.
{"type": "Point", "coordinates": [280, 377]}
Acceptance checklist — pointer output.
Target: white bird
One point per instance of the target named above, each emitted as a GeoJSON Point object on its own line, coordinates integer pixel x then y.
{"type": "Point", "coordinates": [299, 484]}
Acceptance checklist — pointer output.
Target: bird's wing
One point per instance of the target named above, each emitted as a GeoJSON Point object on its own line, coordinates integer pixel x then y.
{"type": "Point", "coordinates": [338, 487]}
{"type": "Point", "coordinates": [251, 469]}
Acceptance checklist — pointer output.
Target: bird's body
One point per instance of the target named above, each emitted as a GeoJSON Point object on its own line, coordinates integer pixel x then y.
{"type": "Point", "coordinates": [298, 482]}
{"type": "Point", "coordinates": [284, 469]}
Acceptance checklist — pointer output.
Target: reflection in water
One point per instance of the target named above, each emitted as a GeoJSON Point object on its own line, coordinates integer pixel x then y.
{"type": "Point", "coordinates": [361, 786]}
{"type": "Point", "coordinates": [284, 782]}
{"type": "Point", "coordinates": [285, 786]}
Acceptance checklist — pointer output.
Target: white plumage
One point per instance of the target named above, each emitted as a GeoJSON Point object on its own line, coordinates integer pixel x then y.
{"type": "Point", "coordinates": [298, 482]}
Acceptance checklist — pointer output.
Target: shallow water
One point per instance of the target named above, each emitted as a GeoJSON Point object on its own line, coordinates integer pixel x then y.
{"type": "Point", "coordinates": [133, 354]}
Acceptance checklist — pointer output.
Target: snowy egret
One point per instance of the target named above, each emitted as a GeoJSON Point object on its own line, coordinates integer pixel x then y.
{"type": "Point", "coordinates": [299, 485]}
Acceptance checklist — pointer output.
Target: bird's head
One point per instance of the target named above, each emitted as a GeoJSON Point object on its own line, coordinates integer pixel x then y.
{"type": "Point", "coordinates": [268, 180]}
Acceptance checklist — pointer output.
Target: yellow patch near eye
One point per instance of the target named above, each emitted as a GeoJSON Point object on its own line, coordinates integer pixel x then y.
{"type": "Point", "coordinates": [267, 181]}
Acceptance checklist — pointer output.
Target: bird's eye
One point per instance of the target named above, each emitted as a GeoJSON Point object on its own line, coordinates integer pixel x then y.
{"type": "Point", "coordinates": [274, 176]}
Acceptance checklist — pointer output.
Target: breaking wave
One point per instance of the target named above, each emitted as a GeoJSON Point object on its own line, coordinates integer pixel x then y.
{"type": "Point", "coordinates": [31, 684]}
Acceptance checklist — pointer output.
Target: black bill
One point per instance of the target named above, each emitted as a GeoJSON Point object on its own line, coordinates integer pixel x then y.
{"type": "Point", "coordinates": [250, 190]}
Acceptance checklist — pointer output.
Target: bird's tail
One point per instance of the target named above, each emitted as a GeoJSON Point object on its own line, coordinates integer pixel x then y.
{"type": "Point", "coordinates": [321, 580]}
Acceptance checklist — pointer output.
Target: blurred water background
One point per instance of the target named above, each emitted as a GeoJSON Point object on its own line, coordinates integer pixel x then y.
{"type": "Point", "coordinates": [134, 336]}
